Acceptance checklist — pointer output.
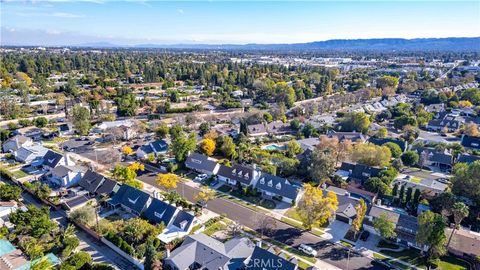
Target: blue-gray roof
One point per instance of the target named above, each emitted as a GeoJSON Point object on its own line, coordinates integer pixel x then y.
{"type": "Point", "coordinates": [237, 172]}
{"type": "Point", "coordinates": [51, 159]}
{"type": "Point", "coordinates": [183, 220]}
{"type": "Point", "coordinates": [200, 162]}
{"type": "Point", "coordinates": [464, 158]}
{"type": "Point", "coordinates": [471, 142]}
{"type": "Point", "coordinates": [277, 185]}
{"type": "Point", "coordinates": [159, 212]}
{"type": "Point", "coordinates": [159, 146]}
{"type": "Point", "coordinates": [131, 198]}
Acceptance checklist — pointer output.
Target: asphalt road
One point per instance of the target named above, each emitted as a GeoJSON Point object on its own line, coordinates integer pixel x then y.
{"type": "Point", "coordinates": [333, 254]}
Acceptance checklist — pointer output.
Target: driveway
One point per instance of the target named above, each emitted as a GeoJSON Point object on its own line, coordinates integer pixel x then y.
{"type": "Point", "coordinates": [336, 231]}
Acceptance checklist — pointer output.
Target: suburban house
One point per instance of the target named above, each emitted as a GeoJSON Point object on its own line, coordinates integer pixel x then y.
{"type": "Point", "coordinates": [435, 108]}
{"type": "Point", "coordinates": [131, 199]}
{"type": "Point", "coordinates": [199, 251]}
{"type": "Point", "coordinates": [31, 132]}
{"type": "Point", "coordinates": [181, 226]}
{"type": "Point", "coordinates": [430, 157]}
{"type": "Point", "coordinates": [381, 141]}
{"type": "Point", "coordinates": [257, 130]}
{"type": "Point", "coordinates": [466, 158]}
{"type": "Point", "coordinates": [202, 164]}
{"type": "Point", "coordinates": [428, 187]}
{"type": "Point", "coordinates": [65, 129]}
{"type": "Point", "coordinates": [278, 128]}
{"type": "Point", "coordinates": [7, 207]}
{"type": "Point", "coordinates": [97, 184]}
{"type": "Point", "coordinates": [160, 212]}
{"type": "Point", "coordinates": [346, 211]}
{"type": "Point", "coordinates": [259, 256]}
{"type": "Point", "coordinates": [406, 226]}
{"type": "Point", "coordinates": [53, 159]}
{"type": "Point", "coordinates": [308, 143]}
{"type": "Point", "coordinates": [27, 154]}
{"type": "Point", "coordinates": [245, 175]}
{"type": "Point", "coordinates": [470, 142]}
{"type": "Point", "coordinates": [464, 243]}
{"type": "Point", "coordinates": [448, 123]}
{"type": "Point", "coordinates": [156, 148]}
{"type": "Point", "coordinates": [65, 176]}
{"type": "Point", "coordinates": [357, 172]}
{"type": "Point", "coordinates": [16, 142]}
{"type": "Point", "coordinates": [12, 258]}
{"type": "Point", "coordinates": [355, 137]}
{"type": "Point", "coordinates": [121, 129]}
{"type": "Point", "coordinates": [273, 186]}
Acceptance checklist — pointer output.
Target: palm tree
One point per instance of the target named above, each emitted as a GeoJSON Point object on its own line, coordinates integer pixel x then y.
{"type": "Point", "coordinates": [459, 211]}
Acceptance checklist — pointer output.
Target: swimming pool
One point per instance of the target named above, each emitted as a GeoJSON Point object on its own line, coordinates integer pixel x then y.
{"type": "Point", "coordinates": [274, 147]}
{"type": "Point", "coordinates": [6, 247]}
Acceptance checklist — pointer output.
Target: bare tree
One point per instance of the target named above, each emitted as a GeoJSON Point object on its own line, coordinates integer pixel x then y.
{"type": "Point", "coordinates": [265, 225]}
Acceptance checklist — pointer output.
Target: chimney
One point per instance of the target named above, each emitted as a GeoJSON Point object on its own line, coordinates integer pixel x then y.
{"type": "Point", "coordinates": [259, 243]}
{"type": "Point", "coordinates": [167, 253]}
{"type": "Point", "coordinates": [66, 160]}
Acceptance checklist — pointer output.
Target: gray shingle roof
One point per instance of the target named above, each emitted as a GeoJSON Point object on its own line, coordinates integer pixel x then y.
{"type": "Point", "coordinates": [91, 181]}
{"type": "Point", "coordinates": [277, 185]}
{"type": "Point", "coordinates": [51, 159]}
{"type": "Point", "coordinates": [240, 173]}
{"type": "Point", "coordinates": [207, 253]}
{"type": "Point", "coordinates": [131, 198]}
{"type": "Point", "coordinates": [200, 162]}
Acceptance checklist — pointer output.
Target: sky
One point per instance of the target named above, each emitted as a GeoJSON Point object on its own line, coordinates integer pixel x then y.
{"type": "Point", "coordinates": [130, 22]}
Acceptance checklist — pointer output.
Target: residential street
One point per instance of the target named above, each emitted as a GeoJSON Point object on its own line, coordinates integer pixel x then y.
{"type": "Point", "coordinates": [328, 252]}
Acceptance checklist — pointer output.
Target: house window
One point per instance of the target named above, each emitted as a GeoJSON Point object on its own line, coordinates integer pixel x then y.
{"type": "Point", "coordinates": [234, 171]}
{"type": "Point", "coordinates": [365, 174]}
{"type": "Point", "coordinates": [279, 186]}
{"type": "Point", "coordinates": [270, 184]}
{"type": "Point", "coordinates": [262, 181]}
{"type": "Point", "coordinates": [246, 176]}
{"type": "Point", "coordinates": [133, 201]}
{"type": "Point", "coordinates": [159, 215]}
{"type": "Point", "coordinates": [240, 174]}
{"type": "Point", "coordinates": [475, 144]}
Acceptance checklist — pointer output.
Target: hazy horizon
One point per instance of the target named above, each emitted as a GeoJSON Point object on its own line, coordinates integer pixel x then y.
{"type": "Point", "coordinates": [133, 22]}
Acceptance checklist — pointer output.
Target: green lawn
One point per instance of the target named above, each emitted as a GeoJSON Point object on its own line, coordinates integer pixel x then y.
{"type": "Point", "coordinates": [452, 263]}
{"type": "Point", "coordinates": [410, 256]}
{"type": "Point", "coordinates": [413, 257]}
{"type": "Point", "coordinates": [215, 227]}
{"type": "Point", "coordinates": [416, 179]}
{"type": "Point", "coordinates": [345, 244]}
{"type": "Point", "coordinates": [19, 174]}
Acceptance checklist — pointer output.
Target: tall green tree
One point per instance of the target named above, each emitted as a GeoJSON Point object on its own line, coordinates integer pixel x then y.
{"type": "Point", "coordinates": [431, 233]}
{"type": "Point", "coordinates": [81, 119]}
{"type": "Point", "coordinates": [384, 226]}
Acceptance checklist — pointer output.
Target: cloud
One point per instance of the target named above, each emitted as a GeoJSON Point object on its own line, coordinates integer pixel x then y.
{"type": "Point", "coordinates": [180, 11]}
{"type": "Point", "coordinates": [66, 15]}
{"type": "Point", "coordinates": [54, 14]}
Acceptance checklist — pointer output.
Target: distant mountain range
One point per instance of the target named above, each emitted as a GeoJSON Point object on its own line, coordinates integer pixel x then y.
{"type": "Point", "coordinates": [381, 44]}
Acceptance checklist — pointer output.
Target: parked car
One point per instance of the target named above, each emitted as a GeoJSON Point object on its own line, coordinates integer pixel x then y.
{"type": "Point", "coordinates": [307, 250]}
{"type": "Point", "coordinates": [200, 177]}
{"type": "Point", "coordinates": [364, 236]}
{"type": "Point", "coordinates": [213, 183]}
